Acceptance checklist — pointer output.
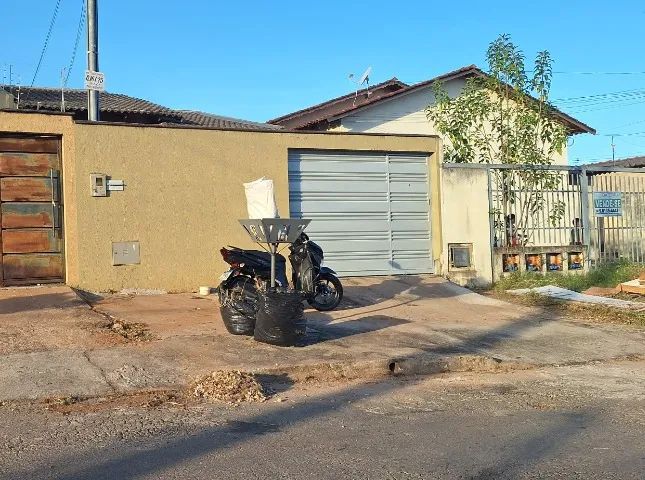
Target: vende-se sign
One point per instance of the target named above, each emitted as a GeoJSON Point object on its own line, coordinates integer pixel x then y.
{"type": "Point", "coordinates": [94, 81]}
{"type": "Point", "coordinates": [608, 204]}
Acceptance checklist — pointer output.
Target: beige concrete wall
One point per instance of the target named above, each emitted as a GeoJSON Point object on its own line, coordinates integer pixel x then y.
{"type": "Point", "coordinates": [184, 194]}
{"type": "Point", "coordinates": [465, 219]}
{"type": "Point", "coordinates": [63, 126]}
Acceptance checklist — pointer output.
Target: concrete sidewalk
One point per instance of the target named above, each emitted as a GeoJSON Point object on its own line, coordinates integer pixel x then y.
{"type": "Point", "coordinates": [415, 324]}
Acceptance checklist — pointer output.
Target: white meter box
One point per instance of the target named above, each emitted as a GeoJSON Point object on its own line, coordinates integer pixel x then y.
{"type": "Point", "coordinates": [126, 253]}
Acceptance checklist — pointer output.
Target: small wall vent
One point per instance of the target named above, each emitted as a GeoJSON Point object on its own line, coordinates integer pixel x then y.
{"type": "Point", "coordinates": [460, 256]}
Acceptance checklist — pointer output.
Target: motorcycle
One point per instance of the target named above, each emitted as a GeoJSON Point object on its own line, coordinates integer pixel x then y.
{"type": "Point", "coordinates": [251, 269]}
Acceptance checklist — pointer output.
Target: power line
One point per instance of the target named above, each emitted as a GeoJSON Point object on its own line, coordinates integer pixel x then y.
{"type": "Point", "coordinates": [629, 124]}
{"type": "Point", "coordinates": [601, 96]}
{"type": "Point", "coordinates": [79, 31]}
{"type": "Point", "coordinates": [598, 73]}
{"type": "Point", "coordinates": [629, 134]}
{"type": "Point", "coordinates": [47, 37]}
{"type": "Point", "coordinates": [606, 106]}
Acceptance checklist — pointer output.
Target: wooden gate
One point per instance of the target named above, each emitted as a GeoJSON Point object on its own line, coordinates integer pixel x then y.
{"type": "Point", "coordinates": [31, 240]}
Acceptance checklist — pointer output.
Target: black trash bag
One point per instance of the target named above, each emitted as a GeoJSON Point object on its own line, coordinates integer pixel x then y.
{"type": "Point", "coordinates": [237, 322]}
{"type": "Point", "coordinates": [238, 305]}
{"type": "Point", "coordinates": [280, 318]}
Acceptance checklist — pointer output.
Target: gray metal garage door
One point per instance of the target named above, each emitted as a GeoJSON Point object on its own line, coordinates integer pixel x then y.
{"type": "Point", "coordinates": [369, 211]}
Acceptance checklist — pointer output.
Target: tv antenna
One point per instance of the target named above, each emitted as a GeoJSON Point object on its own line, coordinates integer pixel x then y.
{"type": "Point", "coordinates": [363, 80]}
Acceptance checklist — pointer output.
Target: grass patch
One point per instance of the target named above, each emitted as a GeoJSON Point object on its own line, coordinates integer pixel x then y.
{"type": "Point", "coordinates": [608, 275]}
{"type": "Point", "coordinates": [578, 311]}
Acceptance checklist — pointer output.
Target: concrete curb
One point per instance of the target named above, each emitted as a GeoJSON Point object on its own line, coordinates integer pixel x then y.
{"type": "Point", "coordinates": [419, 365]}
{"type": "Point", "coordinates": [373, 369]}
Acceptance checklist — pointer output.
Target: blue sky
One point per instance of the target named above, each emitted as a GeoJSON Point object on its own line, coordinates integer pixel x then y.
{"type": "Point", "coordinates": [258, 59]}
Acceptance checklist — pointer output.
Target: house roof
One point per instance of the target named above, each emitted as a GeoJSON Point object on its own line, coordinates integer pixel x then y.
{"type": "Point", "coordinates": [631, 162]}
{"type": "Point", "coordinates": [193, 117]}
{"type": "Point", "coordinates": [39, 98]}
{"type": "Point", "coordinates": [346, 103]}
{"type": "Point", "coordinates": [324, 113]}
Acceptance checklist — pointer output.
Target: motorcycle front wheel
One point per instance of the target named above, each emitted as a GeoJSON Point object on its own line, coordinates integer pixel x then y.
{"type": "Point", "coordinates": [328, 292]}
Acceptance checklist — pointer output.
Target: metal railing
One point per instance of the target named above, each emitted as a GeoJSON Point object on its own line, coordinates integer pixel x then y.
{"type": "Point", "coordinates": [541, 206]}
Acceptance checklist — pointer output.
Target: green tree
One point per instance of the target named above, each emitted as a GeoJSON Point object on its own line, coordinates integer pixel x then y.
{"type": "Point", "coordinates": [505, 116]}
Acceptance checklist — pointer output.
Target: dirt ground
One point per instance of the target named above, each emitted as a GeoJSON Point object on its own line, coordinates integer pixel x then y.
{"type": "Point", "coordinates": [49, 318]}
{"type": "Point", "coordinates": [55, 345]}
{"type": "Point", "coordinates": [181, 314]}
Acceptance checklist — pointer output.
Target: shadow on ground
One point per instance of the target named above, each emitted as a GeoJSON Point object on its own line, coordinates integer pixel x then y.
{"type": "Point", "coordinates": [359, 292]}
{"type": "Point", "coordinates": [31, 302]}
{"type": "Point", "coordinates": [334, 331]}
{"type": "Point", "coordinates": [154, 460]}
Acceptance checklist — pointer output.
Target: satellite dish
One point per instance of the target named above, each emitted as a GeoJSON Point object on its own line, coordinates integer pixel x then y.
{"type": "Point", "coordinates": [365, 78]}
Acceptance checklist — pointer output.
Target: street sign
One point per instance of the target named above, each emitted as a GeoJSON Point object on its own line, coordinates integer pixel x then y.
{"type": "Point", "coordinates": [94, 81]}
{"type": "Point", "coordinates": [608, 204]}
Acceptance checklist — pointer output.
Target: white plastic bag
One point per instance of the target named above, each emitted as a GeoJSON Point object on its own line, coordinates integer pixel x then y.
{"type": "Point", "coordinates": [260, 200]}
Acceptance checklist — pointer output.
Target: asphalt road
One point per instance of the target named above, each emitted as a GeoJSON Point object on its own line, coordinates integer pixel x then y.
{"type": "Point", "coordinates": [585, 422]}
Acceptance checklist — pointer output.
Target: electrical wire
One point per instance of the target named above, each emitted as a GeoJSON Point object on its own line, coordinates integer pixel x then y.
{"type": "Point", "coordinates": [629, 134]}
{"type": "Point", "coordinates": [605, 107]}
{"type": "Point", "coordinates": [79, 31]}
{"type": "Point", "coordinates": [629, 124]}
{"type": "Point", "coordinates": [46, 44]}
{"type": "Point", "coordinates": [598, 73]}
{"type": "Point", "coordinates": [591, 102]}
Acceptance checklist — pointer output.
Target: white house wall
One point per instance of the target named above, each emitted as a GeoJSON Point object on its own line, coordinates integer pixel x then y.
{"type": "Point", "coordinates": [405, 114]}
{"type": "Point", "coordinates": [465, 220]}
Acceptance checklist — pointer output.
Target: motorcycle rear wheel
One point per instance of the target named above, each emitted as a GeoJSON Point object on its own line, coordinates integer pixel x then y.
{"type": "Point", "coordinates": [328, 292]}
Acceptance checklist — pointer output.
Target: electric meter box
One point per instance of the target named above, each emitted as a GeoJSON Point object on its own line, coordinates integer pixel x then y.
{"type": "Point", "coordinates": [98, 184]}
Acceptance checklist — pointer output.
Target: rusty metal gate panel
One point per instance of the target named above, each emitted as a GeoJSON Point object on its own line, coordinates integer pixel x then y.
{"type": "Point", "coordinates": [31, 239]}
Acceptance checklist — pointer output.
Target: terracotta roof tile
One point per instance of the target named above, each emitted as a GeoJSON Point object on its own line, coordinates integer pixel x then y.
{"type": "Point", "coordinates": [39, 98]}
{"type": "Point", "coordinates": [631, 162]}
{"type": "Point", "coordinates": [316, 113]}
{"type": "Point", "coordinates": [192, 117]}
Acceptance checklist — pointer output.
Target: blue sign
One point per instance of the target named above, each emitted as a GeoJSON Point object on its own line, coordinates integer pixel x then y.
{"type": "Point", "coordinates": [608, 204]}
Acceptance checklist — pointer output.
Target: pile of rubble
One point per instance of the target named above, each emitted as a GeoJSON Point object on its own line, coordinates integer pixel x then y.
{"type": "Point", "coordinates": [131, 331]}
{"type": "Point", "coordinates": [230, 386]}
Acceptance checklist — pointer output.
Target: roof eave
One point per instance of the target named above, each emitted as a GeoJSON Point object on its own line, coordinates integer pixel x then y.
{"type": "Point", "coordinates": [575, 126]}
{"type": "Point", "coordinates": [304, 111]}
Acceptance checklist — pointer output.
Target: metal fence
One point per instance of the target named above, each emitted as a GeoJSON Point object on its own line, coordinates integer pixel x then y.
{"type": "Point", "coordinates": [621, 234]}
{"type": "Point", "coordinates": [532, 207]}
{"type": "Point", "coordinates": [600, 210]}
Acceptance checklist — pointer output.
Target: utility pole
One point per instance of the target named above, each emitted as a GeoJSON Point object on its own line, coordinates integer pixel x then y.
{"type": "Point", "coordinates": [613, 149]}
{"type": "Point", "coordinates": [92, 57]}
